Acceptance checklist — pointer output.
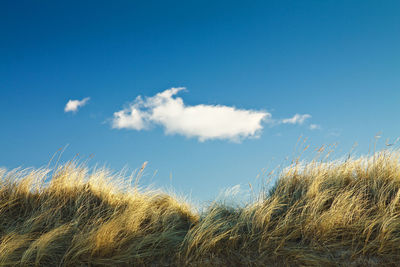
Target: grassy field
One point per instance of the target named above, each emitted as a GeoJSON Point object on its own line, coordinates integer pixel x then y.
{"type": "Point", "coordinates": [339, 213]}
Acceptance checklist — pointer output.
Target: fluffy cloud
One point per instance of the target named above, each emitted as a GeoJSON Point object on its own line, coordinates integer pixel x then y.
{"type": "Point", "coordinates": [204, 122]}
{"type": "Point", "coordinates": [74, 105]}
{"type": "Point", "coordinates": [296, 119]}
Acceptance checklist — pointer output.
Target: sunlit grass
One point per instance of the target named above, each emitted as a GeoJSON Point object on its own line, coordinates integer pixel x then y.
{"type": "Point", "coordinates": [318, 213]}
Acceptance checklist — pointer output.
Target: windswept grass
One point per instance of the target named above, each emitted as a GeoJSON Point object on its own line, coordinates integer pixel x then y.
{"type": "Point", "coordinates": [344, 213]}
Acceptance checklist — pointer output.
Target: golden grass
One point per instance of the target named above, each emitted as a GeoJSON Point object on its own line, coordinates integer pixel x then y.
{"type": "Point", "coordinates": [344, 213]}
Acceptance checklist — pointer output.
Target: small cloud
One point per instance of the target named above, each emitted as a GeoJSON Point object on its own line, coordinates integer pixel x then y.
{"type": "Point", "coordinates": [315, 127]}
{"type": "Point", "coordinates": [205, 122]}
{"type": "Point", "coordinates": [296, 119]}
{"type": "Point", "coordinates": [74, 105]}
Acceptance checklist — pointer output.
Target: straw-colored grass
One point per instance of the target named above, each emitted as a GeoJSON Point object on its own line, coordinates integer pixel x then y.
{"type": "Point", "coordinates": [341, 213]}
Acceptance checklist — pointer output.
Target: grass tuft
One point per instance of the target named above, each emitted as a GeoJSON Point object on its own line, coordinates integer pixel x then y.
{"type": "Point", "coordinates": [320, 213]}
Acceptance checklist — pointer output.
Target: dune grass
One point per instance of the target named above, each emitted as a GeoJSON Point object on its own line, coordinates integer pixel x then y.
{"type": "Point", "coordinates": [339, 213]}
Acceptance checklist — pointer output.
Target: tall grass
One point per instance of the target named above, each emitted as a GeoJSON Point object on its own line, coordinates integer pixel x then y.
{"type": "Point", "coordinates": [321, 213]}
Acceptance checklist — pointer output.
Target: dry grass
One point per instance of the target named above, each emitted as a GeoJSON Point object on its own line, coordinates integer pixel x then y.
{"type": "Point", "coordinates": [344, 213]}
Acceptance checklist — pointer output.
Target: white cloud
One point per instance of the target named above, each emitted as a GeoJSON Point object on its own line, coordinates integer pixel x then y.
{"type": "Point", "coordinates": [296, 119]}
{"type": "Point", "coordinates": [204, 122]}
{"type": "Point", "coordinates": [74, 105]}
{"type": "Point", "coordinates": [315, 127]}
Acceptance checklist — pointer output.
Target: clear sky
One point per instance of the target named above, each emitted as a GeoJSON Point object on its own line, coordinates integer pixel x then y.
{"type": "Point", "coordinates": [248, 68]}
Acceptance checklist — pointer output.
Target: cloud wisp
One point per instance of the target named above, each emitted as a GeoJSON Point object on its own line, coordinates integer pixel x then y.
{"type": "Point", "coordinates": [204, 122]}
{"type": "Point", "coordinates": [315, 127]}
{"type": "Point", "coordinates": [296, 119]}
{"type": "Point", "coordinates": [74, 105]}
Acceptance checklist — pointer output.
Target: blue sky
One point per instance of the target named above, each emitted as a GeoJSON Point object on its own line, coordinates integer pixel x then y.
{"type": "Point", "coordinates": [336, 61]}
